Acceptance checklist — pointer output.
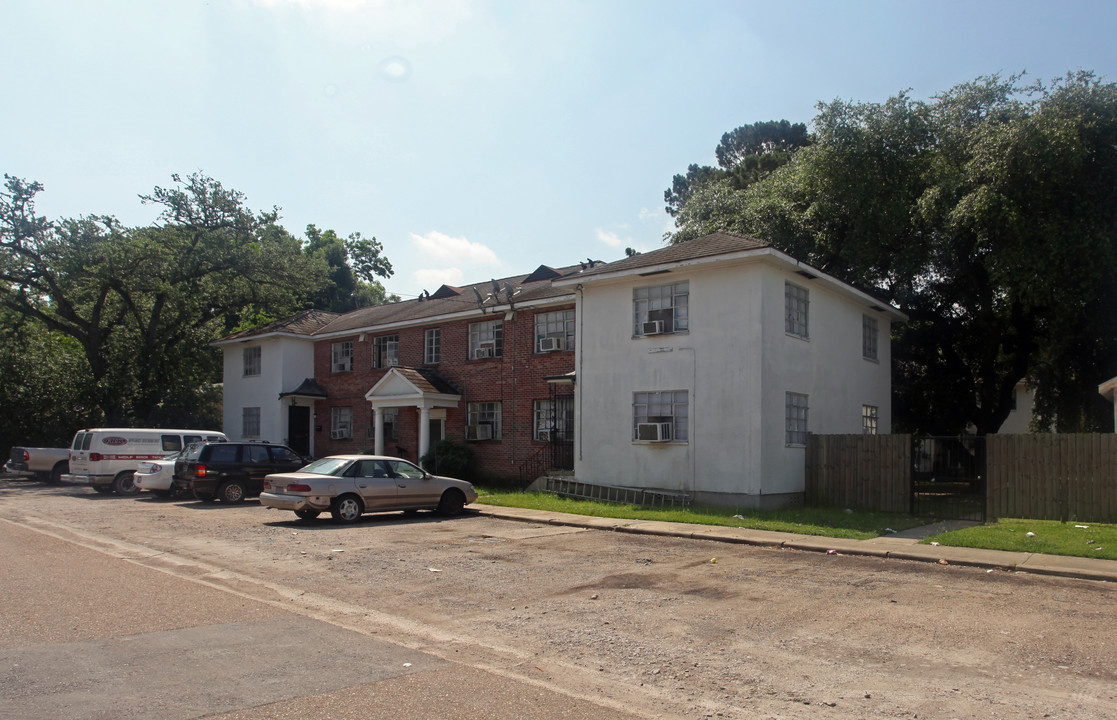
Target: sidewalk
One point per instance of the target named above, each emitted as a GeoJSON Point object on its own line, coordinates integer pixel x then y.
{"type": "Point", "coordinates": [903, 546]}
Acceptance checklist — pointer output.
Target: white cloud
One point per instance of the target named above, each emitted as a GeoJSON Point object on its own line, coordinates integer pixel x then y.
{"type": "Point", "coordinates": [439, 246]}
{"type": "Point", "coordinates": [433, 278]}
{"type": "Point", "coordinates": [611, 239]}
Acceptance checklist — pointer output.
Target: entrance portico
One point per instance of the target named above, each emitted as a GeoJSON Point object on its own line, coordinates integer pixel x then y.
{"type": "Point", "coordinates": [424, 390]}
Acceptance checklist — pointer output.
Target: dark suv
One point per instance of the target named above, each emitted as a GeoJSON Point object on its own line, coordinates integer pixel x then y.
{"type": "Point", "coordinates": [231, 471]}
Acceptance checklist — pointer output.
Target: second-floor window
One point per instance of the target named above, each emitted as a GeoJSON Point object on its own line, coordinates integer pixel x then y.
{"type": "Point", "coordinates": [252, 361]}
{"type": "Point", "coordinates": [486, 339]}
{"type": "Point", "coordinates": [432, 346]}
{"type": "Point", "coordinates": [796, 301]}
{"type": "Point", "coordinates": [554, 331]}
{"type": "Point", "coordinates": [868, 337]}
{"type": "Point", "coordinates": [342, 356]}
{"type": "Point", "coordinates": [385, 351]}
{"type": "Point", "coordinates": [661, 309]}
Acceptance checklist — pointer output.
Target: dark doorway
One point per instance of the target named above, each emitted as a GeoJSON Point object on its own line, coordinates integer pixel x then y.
{"type": "Point", "coordinates": [298, 429]}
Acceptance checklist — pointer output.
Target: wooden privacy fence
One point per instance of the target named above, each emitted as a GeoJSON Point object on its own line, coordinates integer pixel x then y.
{"type": "Point", "coordinates": [871, 472]}
{"type": "Point", "coordinates": [1038, 476]}
{"type": "Point", "coordinates": [1053, 477]}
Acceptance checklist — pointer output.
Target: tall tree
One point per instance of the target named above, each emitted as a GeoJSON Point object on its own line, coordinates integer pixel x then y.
{"type": "Point", "coordinates": [988, 214]}
{"type": "Point", "coordinates": [354, 266]}
{"type": "Point", "coordinates": [744, 156]}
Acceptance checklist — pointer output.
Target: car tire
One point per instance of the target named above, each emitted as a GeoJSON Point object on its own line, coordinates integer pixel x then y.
{"type": "Point", "coordinates": [203, 496]}
{"type": "Point", "coordinates": [231, 491]}
{"type": "Point", "coordinates": [56, 472]}
{"type": "Point", "coordinates": [125, 483]}
{"type": "Point", "coordinates": [308, 514]}
{"type": "Point", "coordinates": [347, 508]}
{"type": "Point", "coordinates": [451, 503]}
{"type": "Point", "coordinates": [103, 489]}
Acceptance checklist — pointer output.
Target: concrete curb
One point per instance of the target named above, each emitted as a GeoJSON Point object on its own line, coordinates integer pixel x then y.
{"type": "Point", "coordinates": [882, 547]}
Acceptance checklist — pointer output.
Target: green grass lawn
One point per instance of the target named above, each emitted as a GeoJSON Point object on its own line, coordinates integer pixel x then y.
{"type": "Point", "coordinates": [1054, 538]}
{"type": "Point", "coordinates": [1078, 539]}
{"type": "Point", "coordinates": [829, 522]}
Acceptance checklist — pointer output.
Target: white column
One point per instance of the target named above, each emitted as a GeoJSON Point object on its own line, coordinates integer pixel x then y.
{"type": "Point", "coordinates": [424, 430]}
{"type": "Point", "coordinates": [378, 430]}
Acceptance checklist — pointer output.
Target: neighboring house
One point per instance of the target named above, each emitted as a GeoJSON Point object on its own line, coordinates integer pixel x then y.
{"type": "Point", "coordinates": [262, 364]}
{"type": "Point", "coordinates": [702, 367]}
{"type": "Point", "coordinates": [1108, 390]}
{"type": "Point", "coordinates": [474, 364]}
{"type": "Point", "coordinates": [1020, 417]}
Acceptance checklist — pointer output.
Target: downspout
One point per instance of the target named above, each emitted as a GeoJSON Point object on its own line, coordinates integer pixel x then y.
{"type": "Point", "coordinates": [580, 305]}
{"type": "Point", "coordinates": [693, 439]}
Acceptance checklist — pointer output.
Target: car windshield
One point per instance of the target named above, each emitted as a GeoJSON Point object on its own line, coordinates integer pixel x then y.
{"type": "Point", "coordinates": [327, 466]}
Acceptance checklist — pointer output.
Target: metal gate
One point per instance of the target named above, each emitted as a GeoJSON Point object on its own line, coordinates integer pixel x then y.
{"type": "Point", "coordinates": [948, 477]}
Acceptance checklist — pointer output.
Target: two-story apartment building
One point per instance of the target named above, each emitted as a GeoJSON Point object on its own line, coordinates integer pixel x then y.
{"type": "Point", "coordinates": [474, 364]}
{"type": "Point", "coordinates": [702, 367]}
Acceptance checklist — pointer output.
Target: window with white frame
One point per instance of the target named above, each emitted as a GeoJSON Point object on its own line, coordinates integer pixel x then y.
{"type": "Point", "coordinates": [553, 419]}
{"type": "Point", "coordinates": [341, 423]}
{"type": "Point", "coordinates": [661, 309]}
{"type": "Point", "coordinates": [796, 419]}
{"type": "Point", "coordinates": [252, 361]}
{"type": "Point", "coordinates": [342, 356]}
{"type": "Point", "coordinates": [250, 422]}
{"type": "Point", "coordinates": [385, 351]}
{"type": "Point", "coordinates": [868, 337]}
{"type": "Point", "coordinates": [432, 346]}
{"type": "Point", "coordinates": [486, 339]}
{"type": "Point", "coordinates": [869, 419]}
{"type": "Point", "coordinates": [669, 410]}
{"type": "Point", "coordinates": [796, 301]}
{"type": "Point", "coordinates": [554, 331]}
{"type": "Point", "coordinates": [484, 421]}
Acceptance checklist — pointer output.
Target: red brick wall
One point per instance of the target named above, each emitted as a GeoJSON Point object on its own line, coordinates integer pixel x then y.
{"type": "Point", "coordinates": [515, 380]}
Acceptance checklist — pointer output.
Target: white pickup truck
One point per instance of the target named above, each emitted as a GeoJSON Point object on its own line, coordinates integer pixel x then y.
{"type": "Point", "coordinates": [47, 464]}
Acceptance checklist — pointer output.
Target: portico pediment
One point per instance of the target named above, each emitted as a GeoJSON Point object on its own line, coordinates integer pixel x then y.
{"type": "Point", "coordinates": [411, 387]}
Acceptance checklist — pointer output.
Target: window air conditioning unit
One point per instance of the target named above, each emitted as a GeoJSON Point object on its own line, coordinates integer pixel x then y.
{"type": "Point", "coordinates": [345, 366]}
{"type": "Point", "coordinates": [543, 436]}
{"type": "Point", "coordinates": [654, 432]}
{"type": "Point", "coordinates": [552, 344]}
{"type": "Point", "coordinates": [339, 434]}
{"type": "Point", "coordinates": [652, 327]}
{"type": "Point", "coordinates": [483, 431]}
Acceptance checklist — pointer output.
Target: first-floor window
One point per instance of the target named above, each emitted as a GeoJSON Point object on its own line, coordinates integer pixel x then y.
{"type": "Point", "coordinates": [796, 419]}
{"type": "Point", "coordinates": [250, 422]}
{"type": "Point", "coordinates": [554, 420]}
{"type": "Point", "coordinates": [341, 423]}
{"type": "Point", "coordinates": [670, 407]}
{"type": "Point", "coordinates": [484, 421]}
{"type": "Point", "coordinates": [869, 419]}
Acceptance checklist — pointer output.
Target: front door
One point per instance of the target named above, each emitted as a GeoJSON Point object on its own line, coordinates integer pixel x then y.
{"type": "Point", "coordinates": [298, 429]}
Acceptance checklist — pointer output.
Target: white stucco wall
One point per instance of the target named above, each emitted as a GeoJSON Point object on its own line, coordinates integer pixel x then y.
{"type": "Point", "coordinates": [284, 363]}
{"type": "Point", "coordinates": [736, 363]}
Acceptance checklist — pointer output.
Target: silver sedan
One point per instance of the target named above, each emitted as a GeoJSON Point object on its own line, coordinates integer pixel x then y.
{"type": "Point", "coordinates": [351, 485]}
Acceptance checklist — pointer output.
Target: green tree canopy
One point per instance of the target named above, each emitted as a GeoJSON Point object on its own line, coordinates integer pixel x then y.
{"type": "Point", "coordinates": [354, 266]}
{"type": "Point", "coordinates": [988, 214]}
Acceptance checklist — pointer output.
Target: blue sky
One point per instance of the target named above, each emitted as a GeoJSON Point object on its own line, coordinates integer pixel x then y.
{"type": "Point", "coordinates": [473, 138]}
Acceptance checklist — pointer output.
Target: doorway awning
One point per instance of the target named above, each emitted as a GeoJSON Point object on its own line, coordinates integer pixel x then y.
{"type": "Point", "coordinates": [308, 388]}
{"type": "Point", "coordinates": [413, 387]}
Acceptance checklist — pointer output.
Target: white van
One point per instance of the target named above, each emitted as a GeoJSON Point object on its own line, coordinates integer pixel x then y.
{"type": "Point", "coordinates": [106, 458]}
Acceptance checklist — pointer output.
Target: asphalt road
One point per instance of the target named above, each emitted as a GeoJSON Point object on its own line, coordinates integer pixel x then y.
{"type": "Point", "coordinates": [127, 608]}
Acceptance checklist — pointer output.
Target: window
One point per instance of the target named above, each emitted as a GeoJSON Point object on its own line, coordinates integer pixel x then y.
{"type": "Point", "coordinates": [796, 301]}
{"type": "Point", "coordinates": [484, 421]}
{"type": "Point", "coordinates": [554, 331]}
{"type": "Point", "coordinates": [342, 357]}
{"type": "Point", "coordinates": [250, 422]}
{"type": "Point", "coordinates": [667, 305]}
{"type": "Point", "coordinates": [869, 419]}
{"type": "Point", "coordinates": [170, 443]}
{"type": "Point", "coordinates": [252, 361]}
{"type": "Point", "coordinates": [671, 407]}
{"type": "Point", "coordinates": [868, 337]}
{"type": "Point", "coordinates": [432, 344]}
{"type": "Point", "coordinates": [257, 454]}
{"type": "Point", "coordinates": [385, 351]}
{"type": "Point", "coordinates": [341, 423]}
{"type": "Point", "coordinates": [796, 419]}
{"type": "Point", "coordinates": [486, 339]}
{"type": "Point", "coordinates": [553, 420]}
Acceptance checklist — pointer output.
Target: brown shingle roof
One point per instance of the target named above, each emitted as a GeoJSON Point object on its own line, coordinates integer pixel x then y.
{"type": "Point", "coordinates": [305, 323]}
{"type": "Point", "coordinates": [708, 246]}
